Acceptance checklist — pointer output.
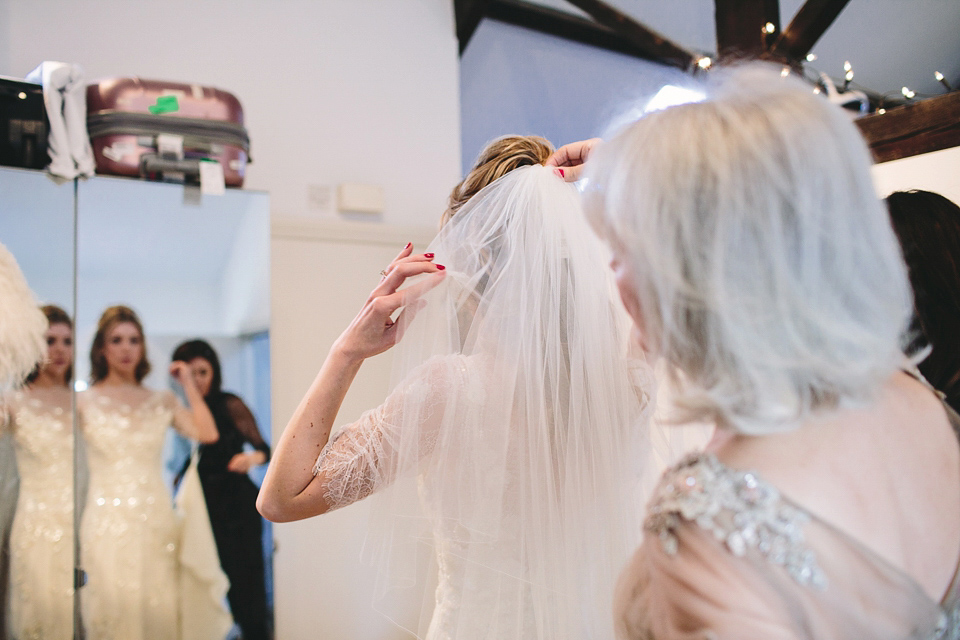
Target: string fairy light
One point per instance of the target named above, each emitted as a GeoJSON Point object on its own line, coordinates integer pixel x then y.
{"type": "Point", "coordinates": [769, 28]}
{"type": "Point", "coordinates": [832, 88]}
{"type": "Point", "coordinates": [848, 74]}
{"type": "Point", "coordinates": [939, 77]}
{"type": "Point", "coordinates": [704, 62]}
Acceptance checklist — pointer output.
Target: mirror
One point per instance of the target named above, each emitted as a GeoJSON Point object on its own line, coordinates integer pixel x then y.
{"type": "Point", "coordinates": [190, 266]}
{"type": "Point", "coordinates": [37, 445]}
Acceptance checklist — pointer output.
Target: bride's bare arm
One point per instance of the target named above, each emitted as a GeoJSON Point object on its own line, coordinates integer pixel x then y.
{"type": "Point", "coordinates": [290, 491]}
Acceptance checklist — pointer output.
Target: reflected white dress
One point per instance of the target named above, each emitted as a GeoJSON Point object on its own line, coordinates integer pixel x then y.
{"type": "Point", "coordinates": [41, 539]}
{"type": "Point", "coordinates": [129, 532]}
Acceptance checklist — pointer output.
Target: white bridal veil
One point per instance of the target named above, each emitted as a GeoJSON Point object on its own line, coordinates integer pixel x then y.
{"type": "Point", "coordinates": [516, 439]}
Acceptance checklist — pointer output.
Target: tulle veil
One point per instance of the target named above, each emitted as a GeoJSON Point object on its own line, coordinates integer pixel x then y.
{"type": "Point", "coordinates": [521, 433]}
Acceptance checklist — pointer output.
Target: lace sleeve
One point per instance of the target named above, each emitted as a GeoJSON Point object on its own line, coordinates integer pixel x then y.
{"type": "Point", "coordinates": [363, 457]}
{"type": "Point", "coordinates": [354, 461]}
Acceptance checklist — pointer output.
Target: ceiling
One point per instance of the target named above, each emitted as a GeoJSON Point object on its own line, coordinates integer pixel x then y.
{"type": "Point", "coordinates": [889, 43]}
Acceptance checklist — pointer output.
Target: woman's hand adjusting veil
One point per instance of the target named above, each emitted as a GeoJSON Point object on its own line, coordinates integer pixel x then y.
{"type": "Point", "coordinates": [290, 491]}
{"type": "Point", "coordinates": [572, 157]}
{"type": "Point", "coordinates": [372, 330]}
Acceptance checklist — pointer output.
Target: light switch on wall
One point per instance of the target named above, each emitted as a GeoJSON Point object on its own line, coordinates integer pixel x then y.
{"type": "Point", "coordinates": [359, 197]}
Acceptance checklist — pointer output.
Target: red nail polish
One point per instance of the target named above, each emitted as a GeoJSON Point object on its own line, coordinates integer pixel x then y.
{"type": "Point", "coordinates": [562, 174]}
{"type": "Point", "coordinates": [441, 267]}
{"type": "Point", "coordinates": [409, 244]}
{"type": "Point", "coordinates": [428, 255]}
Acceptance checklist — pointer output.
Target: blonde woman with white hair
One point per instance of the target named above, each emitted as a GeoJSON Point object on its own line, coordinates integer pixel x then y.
{"type": "Point", "coordinates": [755, 258]}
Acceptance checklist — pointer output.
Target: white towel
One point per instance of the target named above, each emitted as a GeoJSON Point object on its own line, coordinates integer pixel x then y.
{"type": "Point", "coordinates": [65, 96]}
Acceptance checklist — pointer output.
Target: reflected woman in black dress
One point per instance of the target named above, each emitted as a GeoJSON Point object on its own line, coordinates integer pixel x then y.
{"type": "Point", "coordinates": [230, 493]}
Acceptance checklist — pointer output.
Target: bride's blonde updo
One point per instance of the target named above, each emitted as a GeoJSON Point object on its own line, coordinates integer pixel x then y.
{"type": "Point", "coordinates": [498, 158]}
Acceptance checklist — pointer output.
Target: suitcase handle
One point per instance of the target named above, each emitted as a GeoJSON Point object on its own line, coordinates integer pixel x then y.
{"type": "Point", "coordinates": [153, 166]}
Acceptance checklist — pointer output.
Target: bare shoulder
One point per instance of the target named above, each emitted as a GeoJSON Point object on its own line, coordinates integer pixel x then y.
{"type": "Point", "coordinates": [886, 474]}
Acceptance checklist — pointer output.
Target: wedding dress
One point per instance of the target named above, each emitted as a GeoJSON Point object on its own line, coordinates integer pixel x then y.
{"type": "Point", "coordinates": [728, 556]}
{"type": "Point", "coordinates": [515, 443]}
{"type": "Point", "coordinates": [128, 533]}
{"type": "Point", "coordinates": [41, 539]}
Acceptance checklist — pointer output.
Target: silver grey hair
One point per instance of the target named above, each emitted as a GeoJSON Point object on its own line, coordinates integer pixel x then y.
{"type": "Point", "coordinates": [765, 265]}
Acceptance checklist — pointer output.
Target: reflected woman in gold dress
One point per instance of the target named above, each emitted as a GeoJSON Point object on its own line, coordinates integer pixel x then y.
{"type": "Point", "coordinates": [129, 531]}
{"type": "Point", "coordinates": [41, 540]}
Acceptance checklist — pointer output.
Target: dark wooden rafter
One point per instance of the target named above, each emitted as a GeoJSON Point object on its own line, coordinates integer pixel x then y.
{"type": "Point", "coordinates": [919, 127]}
{"type": "Point", "coordinates": [740, 27]}
{"type": "Point", "coordinates": [565, 25]}
{"type": "Point", "coordinates": [646, 39]}
{"type": "Point", "coordinates": [469, 13]}
{"type": "Point", "coordinates": [810, 22]}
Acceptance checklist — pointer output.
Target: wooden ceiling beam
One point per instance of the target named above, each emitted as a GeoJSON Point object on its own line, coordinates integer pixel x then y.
{"type": "Point", "coordinates": [807, 26]}
{"type": "Point", "coordinates": [742, 27]}
{"type": "Point", "coordinates": [645, 39]}
{"type": "Point", "coordinates": [469, 13]}
{"type": "Point", "coordinates": [918, 127]}
{"type": "Point", "coordinates": [562, 24]}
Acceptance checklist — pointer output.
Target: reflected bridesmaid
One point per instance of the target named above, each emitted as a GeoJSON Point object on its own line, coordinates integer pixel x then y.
{"type": "Point", "coordinates": [41, 540]}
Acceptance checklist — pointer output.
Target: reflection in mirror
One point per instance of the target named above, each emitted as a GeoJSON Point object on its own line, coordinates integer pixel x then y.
{"type": "Point", "coordinates": [183, 266]}
{"type": "Point", "coordinates": [37, 511]}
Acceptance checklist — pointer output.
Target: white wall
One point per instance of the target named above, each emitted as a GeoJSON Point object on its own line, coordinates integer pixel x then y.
{"type": "Point", "coordinates": [321, 275]}
{"type": "Point", "coordinates": [513, 80]}
{"type": "Point", "coordinates": [333, 90]}
{"type": "Point", "coordinates": [935, 172]}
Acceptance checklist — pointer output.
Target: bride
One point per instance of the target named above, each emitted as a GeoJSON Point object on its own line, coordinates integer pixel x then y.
{"type": "Point", "coordinates": [513, 421]}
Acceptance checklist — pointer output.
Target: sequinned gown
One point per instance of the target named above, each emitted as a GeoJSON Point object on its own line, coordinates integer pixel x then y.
{"type": "Point", "coordinates": [41, 539]}
{"type": "Point", "coordinates": [128, 533]}
{"type": "Point", "coordinates": [727, 556]}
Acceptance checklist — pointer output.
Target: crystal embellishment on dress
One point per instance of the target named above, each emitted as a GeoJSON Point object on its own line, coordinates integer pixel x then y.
{"type": "Point", "coordinates": [739, 509]}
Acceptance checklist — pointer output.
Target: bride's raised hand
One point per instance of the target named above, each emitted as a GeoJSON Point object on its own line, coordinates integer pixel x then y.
{"type": "Point", "coordinates": [374, 330]}
{"type": "Point", "coordinates": [570, 158]}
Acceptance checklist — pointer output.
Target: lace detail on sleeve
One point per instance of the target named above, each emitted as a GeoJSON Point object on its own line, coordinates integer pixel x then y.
{"type": "Point", "coordinates": [739, 509]}
{"type": "Point", "coordinates": [370, 453]}
{"type": "Point", "coordinates": [353, 461]}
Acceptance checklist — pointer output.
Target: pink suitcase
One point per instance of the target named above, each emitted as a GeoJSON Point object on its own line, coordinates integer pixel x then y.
{"type": "Point", "coordinates": [164, 130]}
